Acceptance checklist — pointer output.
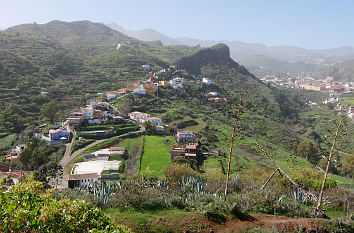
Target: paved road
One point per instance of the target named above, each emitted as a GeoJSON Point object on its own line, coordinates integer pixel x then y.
{"type": "Point", "coordinates": [67, 158]}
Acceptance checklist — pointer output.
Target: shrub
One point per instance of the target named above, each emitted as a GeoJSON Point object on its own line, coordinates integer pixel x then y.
{"type": "Point", "coordinates": [25, 209]}
{"type": "Point", "coordinates": [176, 172]}
{"type": "Point", "coordinates": [81, 144]}
{"type": "Point", "coordinates": [215, 216]}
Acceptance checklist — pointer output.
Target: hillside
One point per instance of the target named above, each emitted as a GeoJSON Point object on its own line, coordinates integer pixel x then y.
{"type": "Point", "coordinates": [266, 64]}
{"type": "Point", "coordinates": [343, 71]}
{"type": "Point", "coordinates": [82, 37]}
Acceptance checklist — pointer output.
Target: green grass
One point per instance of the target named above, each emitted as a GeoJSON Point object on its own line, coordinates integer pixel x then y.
{"type": "Point", "coordinates": [212, 167]}
{"type": "Point", "coordinates": [343, 181]}
{"type": "Point", "coordinates": [7, 141]}
{"type": "Point", "coordinates": [156, 155]}
{"type": "Point", "coordinates": [130, 143]}
{"type": "Point", "coordinates": [146, 220]}
{"type": "Point", "coordinates": [196, 128]}
{"type": "Point", "coordinates": [348, 100]}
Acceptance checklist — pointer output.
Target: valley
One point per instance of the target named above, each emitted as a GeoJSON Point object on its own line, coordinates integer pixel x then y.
{"type": "Point", "coordinates": [142, 130]}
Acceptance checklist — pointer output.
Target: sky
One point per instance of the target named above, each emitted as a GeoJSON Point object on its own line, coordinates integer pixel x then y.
{"type": "Point", "coordinates": [312, 24]}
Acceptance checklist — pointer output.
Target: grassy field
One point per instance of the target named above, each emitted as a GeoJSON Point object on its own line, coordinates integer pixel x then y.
{"type": "Point", "coordinates": [156, 155]}
{"type": "Point", "coordinates": [134, 149]}
{"type": "Point", "coordinates": [212, 168]}
{"type": "Point", "coordinates": [348, 100]}
{"type": "Point", "coordinates": [7, 141]}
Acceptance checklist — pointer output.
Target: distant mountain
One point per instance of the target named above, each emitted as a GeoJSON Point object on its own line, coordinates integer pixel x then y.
{"type": "Point", "coordinates": [345, 52]}
{"type": "Point", "coordinates": [145, 35]}
{"type": "Point", "coordinates": [343, 71]}
{"type": "Point", "coordinates": [269, 64]}
{"type": "Point", "coordinates": [291, 58]}
{"type": "Point", "coordinates": [82, 37]}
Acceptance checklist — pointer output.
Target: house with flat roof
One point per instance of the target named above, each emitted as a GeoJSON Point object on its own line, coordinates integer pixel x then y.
{"type": "Point", "coordinates": [185, 137]}
{"type": "Point", "coordinates": [81, 180]}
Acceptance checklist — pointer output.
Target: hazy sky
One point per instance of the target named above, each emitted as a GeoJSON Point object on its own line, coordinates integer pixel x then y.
{"type": "Point", "coordinates": [304, 23]}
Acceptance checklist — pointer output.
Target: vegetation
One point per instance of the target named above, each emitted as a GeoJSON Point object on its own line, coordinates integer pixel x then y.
{"type": "Point", "coordinates": [26, 209]}
{"type": "Point", "coordinates": [156, 155]}
{"type": "Point", "coordinates": [60, 64]}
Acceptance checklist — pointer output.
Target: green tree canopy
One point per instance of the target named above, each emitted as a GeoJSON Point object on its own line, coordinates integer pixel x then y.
{"type": "Point", "coordinates": [348, 166]}
{"type": "Point", "coordinates": [309, 151]}
{"type": "Point", "coordinates": [51, 110]}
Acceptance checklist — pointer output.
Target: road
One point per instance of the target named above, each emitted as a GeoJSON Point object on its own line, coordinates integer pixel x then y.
{"type": "Point", "coordinates": [62, 183]}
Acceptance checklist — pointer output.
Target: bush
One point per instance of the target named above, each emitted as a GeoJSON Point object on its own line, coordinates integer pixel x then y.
{"type": "Point", "coordinates": [176, 172]}
{"type": "Point", "coordinates": [215, 216]}
{"type": "Point", "coordinates": [25, 209]}
{"type": "Point", "coordinates": [77, 145]}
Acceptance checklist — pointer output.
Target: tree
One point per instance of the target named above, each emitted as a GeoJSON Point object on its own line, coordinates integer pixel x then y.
{"type": "Point", "coordinates": [127, 106]}
{"type": "Point", "coordinates": [25, 208]}
{"type": "Point", "coordinates": [149, 127]}
{"type": "Point", "coordinates": [176, 172]}
{"type": "Point", "coordinates": [50, 110]}
{"type": "Point", "coordinates": [348, 166]}
{"type": "Point", "coordinates": [309, 151]}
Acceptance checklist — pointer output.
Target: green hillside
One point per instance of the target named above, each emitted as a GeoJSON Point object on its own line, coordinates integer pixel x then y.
{"type": "Point", "coordinates": [343, 71]}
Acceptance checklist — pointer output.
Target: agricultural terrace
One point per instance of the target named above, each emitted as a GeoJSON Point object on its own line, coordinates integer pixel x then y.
{"type": "Point", "coordinates": [156, 155]}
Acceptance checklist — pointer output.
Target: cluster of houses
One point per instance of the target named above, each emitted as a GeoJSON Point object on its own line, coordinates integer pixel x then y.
{"type": "Point", "coordinates": [57, 134]}
{"type": "Point", "coordinates": [94, 166]}
{"type": "Point", "coordinates": [187, 146]}
{"type": "Point", "coordinates": [95, 113]}
{"type": "Point", "coordinates": [339, 106]}
{"type": "Point", "coordinates": [15, 153]}
{"type": "Point", "coordinates": [141, 117]}
{"type": "Point", "coordinates": [309, 83]}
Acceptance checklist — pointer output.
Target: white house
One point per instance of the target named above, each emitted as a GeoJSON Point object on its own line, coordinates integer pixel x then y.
{"type": "Point", "coordinates": [96, 166]}
{"type": "Point", "coordinates": [207, 81]}
{"type": "Point", "coordinates": [176, 82]}
{"type": "Point", "coordinates": [146, 67]}
{"type": "Point", "coordinates": [87, 112]}
{"type": "Point", "coordinates": [111, 95]}
{"type": "Point", "coordinates": [140, 90]}
{"type": "Point", "coordinates": [153, 120]}
{"type": "Point", "coordinates": [82, 180]}
{"type": "Point", "coordinates": [138, 116]}
{"type": "Point", "coordinates": [94, 121]}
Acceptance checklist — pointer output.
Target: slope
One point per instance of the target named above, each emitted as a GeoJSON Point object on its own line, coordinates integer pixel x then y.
{"type": "Point", "coordinates": [82, 37]}
{"type": "Point", "coordinates": [343, 71]}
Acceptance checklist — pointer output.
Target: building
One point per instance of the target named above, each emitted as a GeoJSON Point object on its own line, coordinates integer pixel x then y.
{"type": "Point", "coordinates": [146, 67]}
{"type": "Point", "coordinates": [153, 120]}
{"type": "Point", "coordinates": [152, 79]}
{"type": "Point", "coordinates": [82, 180]}
{"type": "Point", "coordinates": [185, 137]}
{"type": "Point", "coordinates": [164, 83]}
{"type": "Point", "coordinates": [111, 95]}
{"type": "Point", "coordinates": [59, 136]}
{"type": "Point", "coordinates": [94, 157]}
{"type": "Point", "coordinates": [139, 90]}
{"type": "Point", "coordinates": [123, 91]}
{"type": "Point", "coordinates": [176, 82]}
{"type": "Point", "coordinates": [96, 166]}
{"type": "Point", "coordinates": [160, 128]}
{"type": "Point", "coordinates": [217, 99]}
{"type": "Point", "coordinates": [189, 151]}
{"type": "Point", "coordinates": [207, 81]}
{"type": "Point", "coordinates": [118, 119]}
{"type": "Point", "coordinates": [311, 87]}
{"type": "Point", "coordinates": [213, 93]}
{"type": "Point", "coordinates": [138, 116]}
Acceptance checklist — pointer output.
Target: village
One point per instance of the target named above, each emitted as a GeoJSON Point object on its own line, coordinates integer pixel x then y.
{"type": "Point", "coordinates": [100, 120]}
